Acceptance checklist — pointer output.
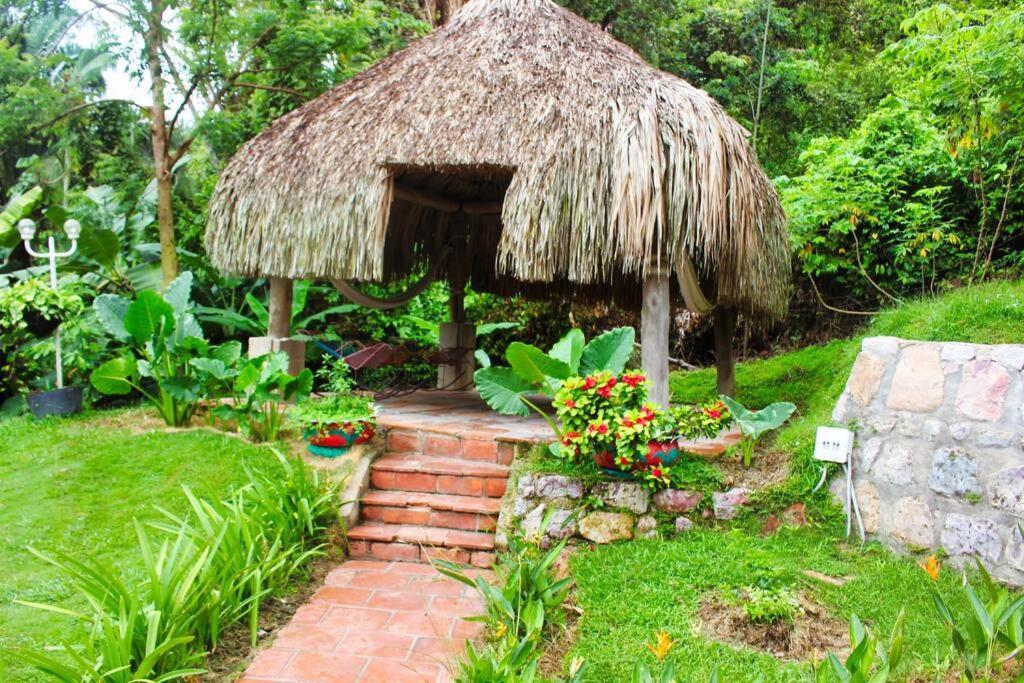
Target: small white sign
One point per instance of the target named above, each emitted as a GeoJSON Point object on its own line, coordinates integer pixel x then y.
{"type": "Point", "coordinates": [833, 444]}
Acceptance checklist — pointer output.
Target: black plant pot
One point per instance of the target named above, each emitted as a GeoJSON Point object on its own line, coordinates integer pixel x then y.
{"type": "Point", "coordinates": [39, 326]}
{"type": "Point", "coordinates": [66, 401]}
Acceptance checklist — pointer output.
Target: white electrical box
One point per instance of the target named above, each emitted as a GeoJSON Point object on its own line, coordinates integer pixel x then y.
{"type": "Point", "coordinates": [833, 444]}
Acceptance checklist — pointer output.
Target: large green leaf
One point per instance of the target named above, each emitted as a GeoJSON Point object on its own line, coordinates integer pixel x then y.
{"type": "Point", "coordinates": [227, 353]}
{"type": "Point", "coordinates": [569, 349]}
{"type": "Point", "coordinates": [17, 208]}
{"type": "Point", "coordinates": [148, 316]}
{"type": "Point", "coordinates": [608, 351]}
{"type": "Point", "coordinates": [179, 293]}
{"type": "Point", "coordinates": [100, 245]}
{"type": "Point", "coordinates": [501, 389]}
{"type": "Point", "coordinates": [229, 319]}
{"type": "Point", "coordinates": [114, 376]}
{"type": "Point", "coordinates": [259, 311]}
{"type": "Point", "coordinates": [110, 309]}
{"type": "Point", "coordinates": [484, 329]}
{"type": "Point", "coordinates": [755, 423]}
{"type": "Point", "coordinates": [300, 386]}
{"type": "Point", "coordinates": [534, 365]}
{"type": "Point", "coordinates": [185, 389]}
{"type": "Point", "coordinates": [213, 367]}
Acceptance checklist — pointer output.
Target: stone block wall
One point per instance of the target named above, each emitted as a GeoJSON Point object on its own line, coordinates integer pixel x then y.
{"type": "Point", "coordinates": [939, 454]}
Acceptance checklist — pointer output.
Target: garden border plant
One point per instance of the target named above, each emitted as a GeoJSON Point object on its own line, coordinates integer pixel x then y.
{"type": "Point", "coordinates": [203, 572]}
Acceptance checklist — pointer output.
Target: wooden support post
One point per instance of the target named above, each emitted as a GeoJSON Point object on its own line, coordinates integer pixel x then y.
{"type": "Point", "coordinates": [654, 332]}
{"type": "Point", "coordinates": [279, 328]}
{"type": "Point", "coordinates": [280, 324]}
{"type": "Point", "coordinates": [457, 334]}
{"type": "Point", "coordinates": [725, 328]}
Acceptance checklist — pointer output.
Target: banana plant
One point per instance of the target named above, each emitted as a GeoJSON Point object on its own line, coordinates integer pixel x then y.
{"type": "Point", "coordinates": [530, 370]}
{"type": "Point", "coordinates": [255, 319]}
{"type": "Point", "coordinates": [754, 423]}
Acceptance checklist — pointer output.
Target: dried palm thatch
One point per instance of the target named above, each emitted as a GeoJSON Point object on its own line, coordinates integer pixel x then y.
{"type": "Point", "coordinates": [604, 164]}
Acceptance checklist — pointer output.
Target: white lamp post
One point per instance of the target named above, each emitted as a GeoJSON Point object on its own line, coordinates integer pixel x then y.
{"type": "Point", "coordinates": [72, 228]}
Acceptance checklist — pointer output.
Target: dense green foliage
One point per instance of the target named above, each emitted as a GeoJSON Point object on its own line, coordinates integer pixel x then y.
{"type": "Point", "coordinates": [74, 487]}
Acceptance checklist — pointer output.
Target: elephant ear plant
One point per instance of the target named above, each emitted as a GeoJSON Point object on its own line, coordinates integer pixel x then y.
{"type": "Point", "coordinates": [532, 371]}
{"type": "Point", "coordinates": [754, 423]}
{"type": "Point", "coordinates": [162, 337]}
{"type": "Point", "coordinates": [262, 390]}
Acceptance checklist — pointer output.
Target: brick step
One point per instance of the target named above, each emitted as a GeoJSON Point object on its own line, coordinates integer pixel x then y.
{"type": "Point", "coordinates": [477, 447]}
{"type": "Point", "coordinates": [414, 543]}
{"type": "Point", "coordinates": [468, 513]}
{"type": "Point", "coordinates": [450, 476]}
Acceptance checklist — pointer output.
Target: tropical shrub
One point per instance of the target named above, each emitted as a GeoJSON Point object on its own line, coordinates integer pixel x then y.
{"type": "Point", "coordinates": [162, 337]}
{"type": "Point", "coordinates": [873, 213]}
{"type": "Point", "coordinates": [202, 573]}
{"type": "Point", "coordinates": [530, 370]}
{"type": "Point", "coordinates": [29, 310]}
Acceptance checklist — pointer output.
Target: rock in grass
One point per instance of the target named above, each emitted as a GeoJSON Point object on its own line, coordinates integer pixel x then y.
{"type": "Point", "coordinates": [683, 524]}
{"type": "Point", "coordinates": [606, 527]}
{"type": "Point", "coordinates": [727, 504]}
{"type": "Point", "coordinates": [623, 494]}
{"type": "Point", "coordinates": [676, 501]}
{"type": "Point", "coordinates": [647, 527]}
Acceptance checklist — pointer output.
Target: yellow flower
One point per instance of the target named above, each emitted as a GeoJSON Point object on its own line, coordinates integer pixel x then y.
{"type": "Point", "coordinates": [931, 567]}
{"type": "Point", "coordinates": [662, 646]}
{"type": "Point", "coordinates": [500, 631]}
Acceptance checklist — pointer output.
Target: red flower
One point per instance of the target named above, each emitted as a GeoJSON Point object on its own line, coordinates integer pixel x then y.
{"type": "Point", "coordinates": [623, 461]}
{"type": "Point", "coordinates": [589, 383]}
{"type": "Point", "coordinates": [626, 422]}
{"type": "Point", "coordinates": [599, 427]}
{"type": "Point", "coordinates": [569, 403]}
{"type": "Point", "coordinates": [634, 379]}
{"type": "Point", "coordinates": [568, 437]}
{"type": "Point", "coordinates": [713, 414]}
{"type": "Point", "coordinates": [656, 473]}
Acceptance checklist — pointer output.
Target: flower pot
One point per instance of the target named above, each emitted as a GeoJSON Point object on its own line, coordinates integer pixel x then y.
{"type": "Point", "coordinates": [66, 401]}
{"type": "Point", "coordinates": [334, 440]}
{"type": "Point", "coordinates": [38, 325]}
{"type": "Point", "coordinates": [663, 452]}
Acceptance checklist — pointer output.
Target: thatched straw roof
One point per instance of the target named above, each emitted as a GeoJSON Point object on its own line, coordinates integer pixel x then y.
{"type": "Point", "coordinates": [604, 164]}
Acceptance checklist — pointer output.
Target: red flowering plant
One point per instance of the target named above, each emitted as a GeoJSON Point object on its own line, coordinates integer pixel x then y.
{"type": "Point", "coordinates": [606, 418]}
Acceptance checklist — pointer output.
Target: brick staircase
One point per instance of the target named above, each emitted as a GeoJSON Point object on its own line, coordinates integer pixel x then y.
{"type": "Point", "coordinates": [435, 492]}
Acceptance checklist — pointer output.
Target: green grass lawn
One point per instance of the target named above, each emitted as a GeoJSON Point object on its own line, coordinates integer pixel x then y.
{"type": "Point", "coordinates": [628, 592]}
{"type": "Point", "coordinates": [74, 485]}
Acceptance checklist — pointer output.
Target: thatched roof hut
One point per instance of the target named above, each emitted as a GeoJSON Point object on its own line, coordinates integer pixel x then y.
{"type": "Point", "coordinates": [526, 151]}
{"type": "Point", "coordinates": [572, 162]}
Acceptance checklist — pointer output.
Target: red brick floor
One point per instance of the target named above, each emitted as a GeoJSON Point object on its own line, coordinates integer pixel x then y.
{"type": "Point", "coordinates": [387, 622]}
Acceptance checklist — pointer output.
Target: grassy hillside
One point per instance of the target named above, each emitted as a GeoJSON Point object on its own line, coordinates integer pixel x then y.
{"type": "Point", "coordinates": [814, 377]}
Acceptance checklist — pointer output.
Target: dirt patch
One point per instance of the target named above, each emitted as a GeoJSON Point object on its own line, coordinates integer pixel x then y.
{"type": "Point", "coordinates": [810, 636]}
{"type": "Point", "coordinates": [235, 651]}
{"type": "Point", "coordinates": [561, 641]}
{"type": "Point", "coordinates": [767, 469]}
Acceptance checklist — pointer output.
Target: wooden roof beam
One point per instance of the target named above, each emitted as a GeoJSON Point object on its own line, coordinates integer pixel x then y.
{"type": "Point", "coordinates": [446, 204]}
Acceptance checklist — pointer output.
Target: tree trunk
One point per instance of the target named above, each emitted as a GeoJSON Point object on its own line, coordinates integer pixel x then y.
{"type": "Point", "coordinates": [725, 329]}
{"type": "Point", "coordinates": [161, 154]}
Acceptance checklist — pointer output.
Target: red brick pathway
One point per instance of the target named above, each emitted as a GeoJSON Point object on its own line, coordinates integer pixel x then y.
{"type": "Point", "coordinates": [386, 622]}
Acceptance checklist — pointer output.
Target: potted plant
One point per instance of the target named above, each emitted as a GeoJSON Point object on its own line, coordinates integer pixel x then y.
{"type": "Point", "coordinates": [607, 418]}
{"type": "Point", "coordinates": [331, 425]}
{"type": "Point", "coordinates": [26, 308]}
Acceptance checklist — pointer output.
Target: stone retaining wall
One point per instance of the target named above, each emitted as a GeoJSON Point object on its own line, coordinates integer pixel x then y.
{"type": "Point", "coordinates": [606, 511]}
{"type": "Point", "coordinates": [938, 460]}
